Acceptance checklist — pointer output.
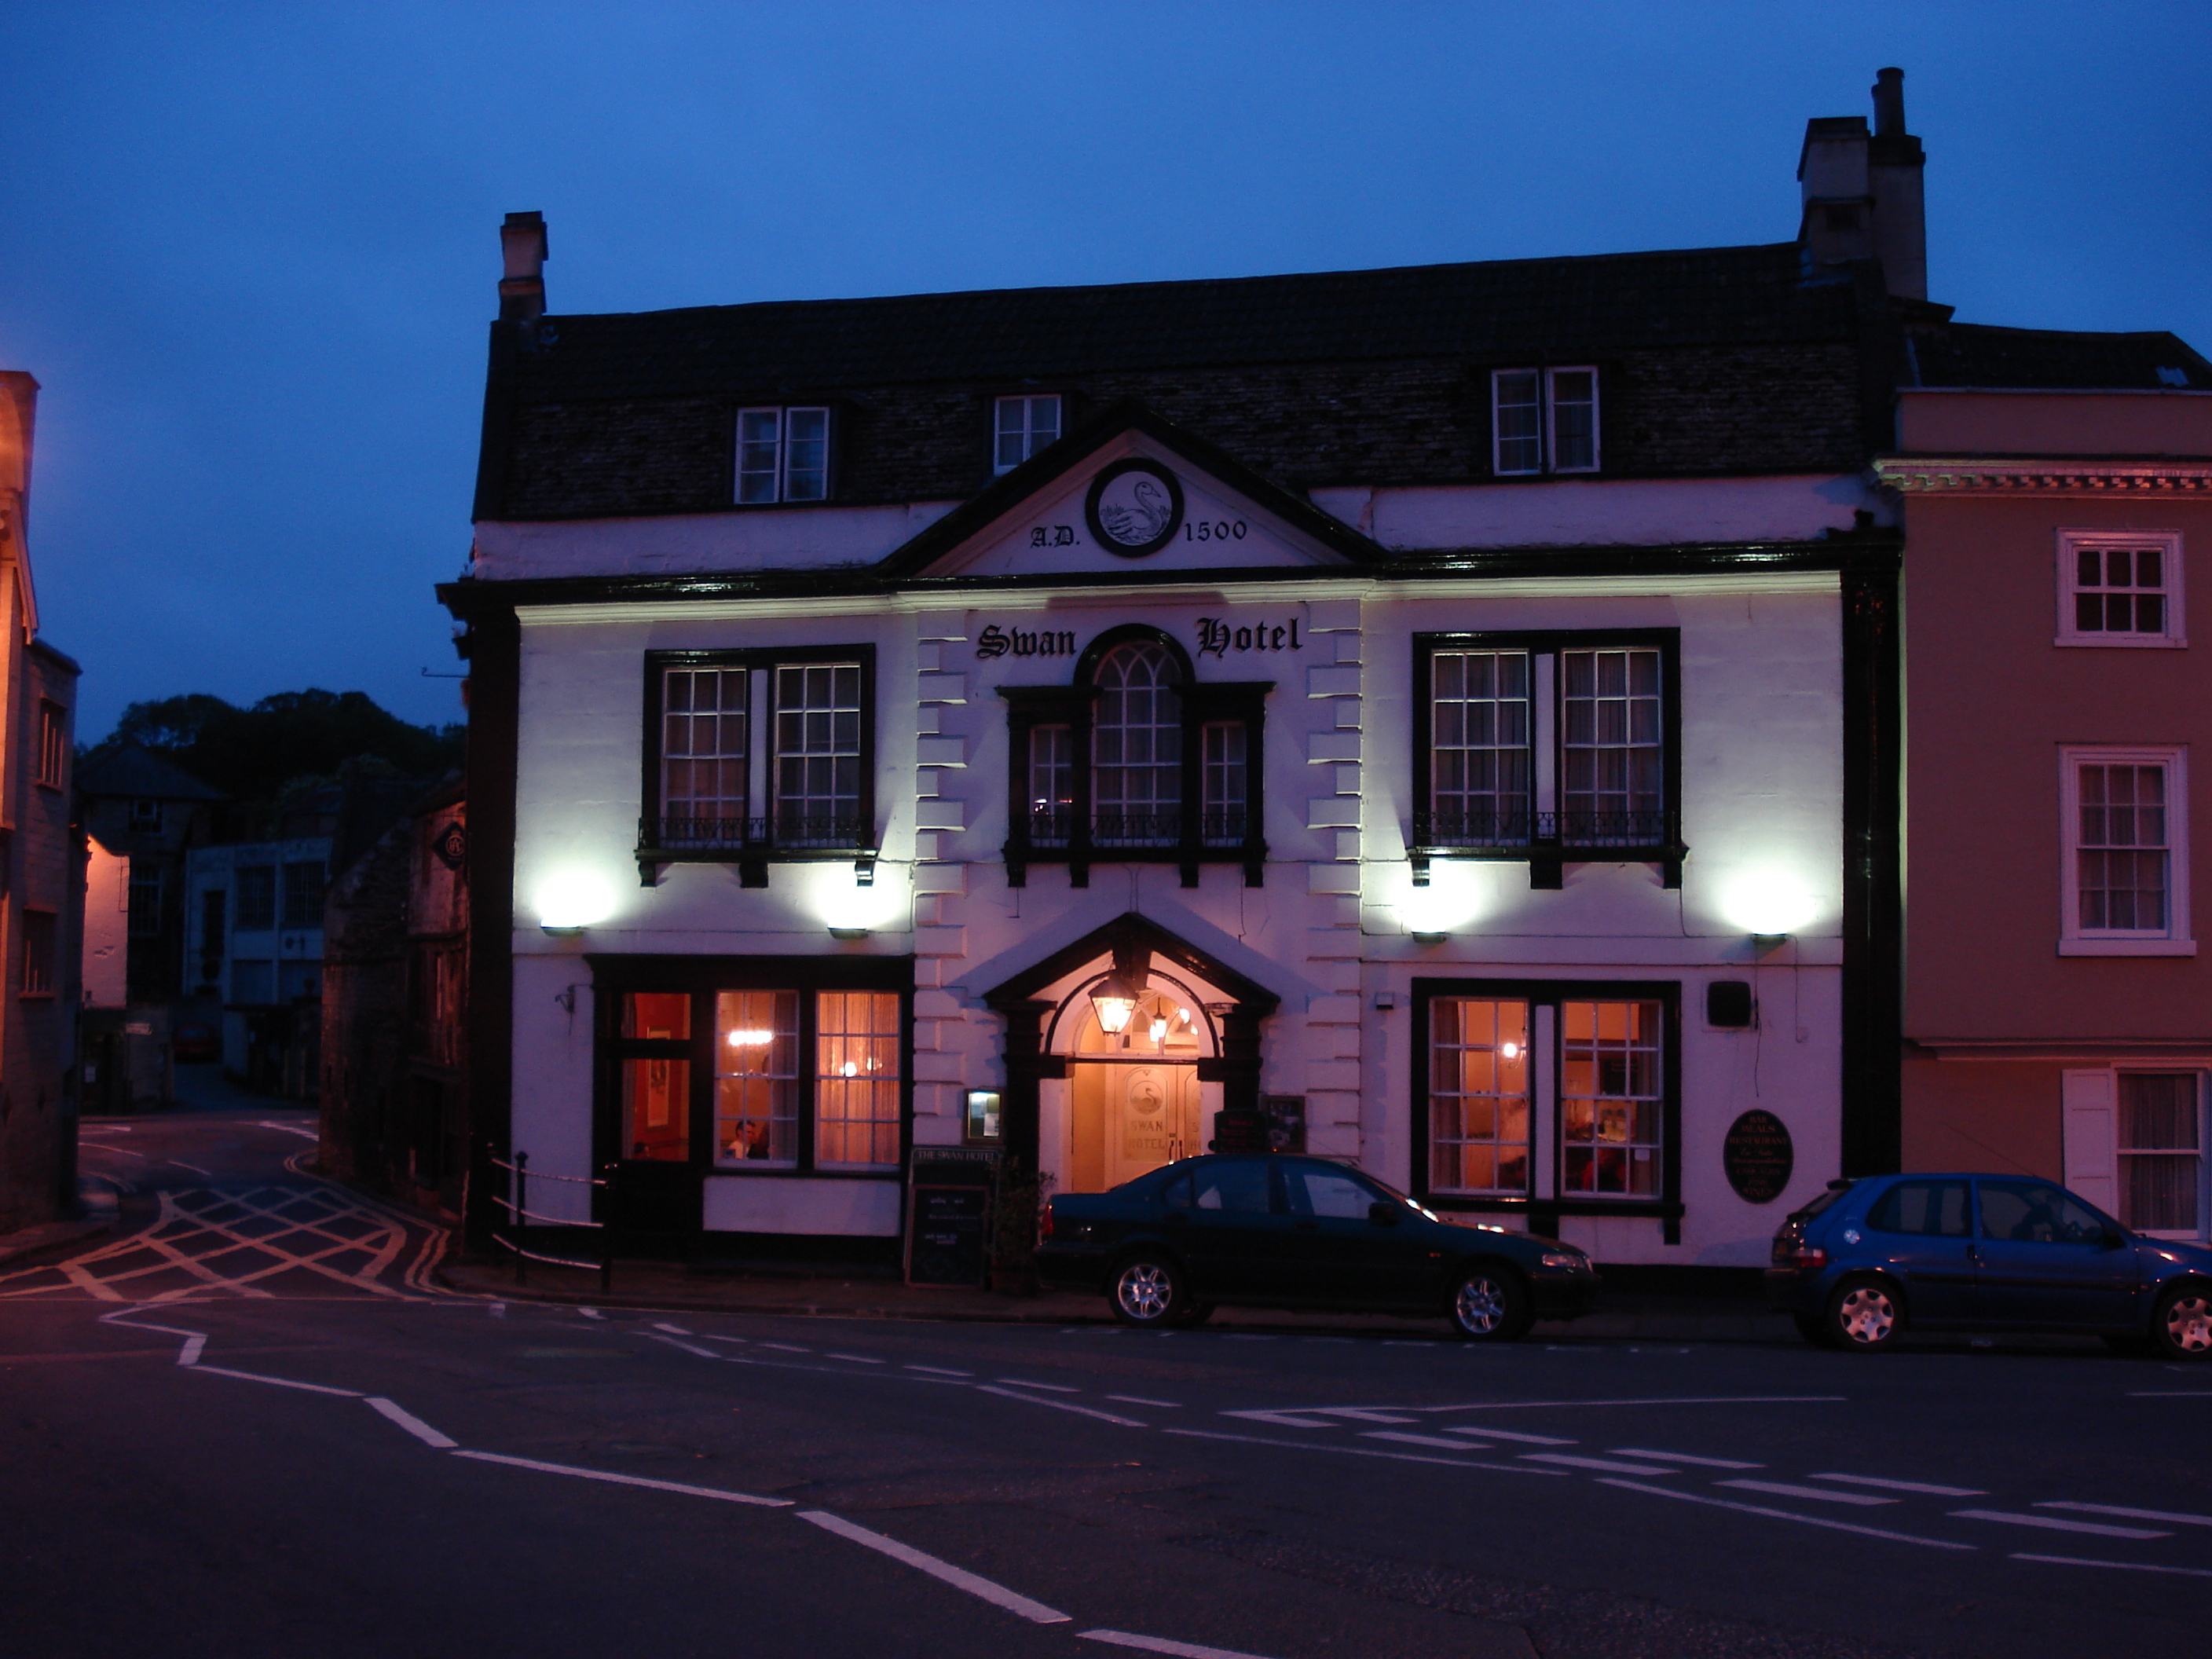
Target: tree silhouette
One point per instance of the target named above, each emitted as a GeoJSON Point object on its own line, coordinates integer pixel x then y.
{"type": "Point", "coordinates": [285, 740]}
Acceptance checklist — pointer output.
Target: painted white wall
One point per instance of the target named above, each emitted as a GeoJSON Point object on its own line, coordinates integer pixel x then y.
{"type": "Point", "coordinates": [684, 543]}
{"type": "Point", "coordinates": [1761, 674]}
{"type": "Point", "coordinates": [1604, 512]}
{"type": "Point", "coordinates": [107, 926]}
{"type": "Point", "coordinates": [770, 1204]}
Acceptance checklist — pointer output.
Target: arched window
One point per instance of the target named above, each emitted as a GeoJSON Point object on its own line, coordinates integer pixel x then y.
{"type": "Point", "coordinates": [1136, 759]}
{"type": "Point", "coordinates": [1136, 749]}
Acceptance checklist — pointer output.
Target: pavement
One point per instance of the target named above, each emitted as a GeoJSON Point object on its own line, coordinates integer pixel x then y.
{"type": "Point", "coordinates": [1647, 1316]}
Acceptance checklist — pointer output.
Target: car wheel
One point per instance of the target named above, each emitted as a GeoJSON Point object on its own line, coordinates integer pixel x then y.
{"type": "Point", "coordinates": [2182, 1327]}
{"type": "Point", "coordinates": [1490, 1306]}
{"type": "Point", "coordinates": [1148, 1292]}
{"type": "Point", "coordinates": [1864, 1315]}
{"type": "Point", "coordinates": [1813, 1329]}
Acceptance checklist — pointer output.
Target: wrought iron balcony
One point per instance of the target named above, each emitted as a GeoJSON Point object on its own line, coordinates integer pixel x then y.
{"type": "Point", "coordinates": [1510, 829]}
{"type": "Point", "coordinates": [1054, 828]}
{"type": "Point", "coordinates": [763, 836]}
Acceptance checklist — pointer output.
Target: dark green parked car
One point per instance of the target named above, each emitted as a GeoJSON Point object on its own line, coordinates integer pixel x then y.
{"type": "Point", "coordinates": [1272, 1230]}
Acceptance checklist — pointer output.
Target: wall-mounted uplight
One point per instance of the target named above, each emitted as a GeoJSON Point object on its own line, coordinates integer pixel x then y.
{"type": "Point", "coordinates": [850, 933]}
{"type": "Point", "coordinates": [1421, 938]}
{"type": "Point", "coordinates": [1769, 905]}
{"type": "Point", "coordinates": [570, 900]}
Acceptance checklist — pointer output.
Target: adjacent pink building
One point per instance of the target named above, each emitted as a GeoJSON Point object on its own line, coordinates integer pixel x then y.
{"type": "Point", "coordinates": [2057, 999]}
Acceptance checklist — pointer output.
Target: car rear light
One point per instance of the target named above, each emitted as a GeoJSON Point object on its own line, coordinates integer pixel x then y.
{"type": "Point", "coordinates": [1044, 1227]}
{"type": "Point", "coordinates": [1807, 1258]}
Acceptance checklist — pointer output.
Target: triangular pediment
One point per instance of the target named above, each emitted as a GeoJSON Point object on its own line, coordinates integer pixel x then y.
{"type": "Point", "coordinates": [1131, 494]}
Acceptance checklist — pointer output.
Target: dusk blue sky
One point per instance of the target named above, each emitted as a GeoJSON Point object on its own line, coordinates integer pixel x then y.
{"type": "Point", "coordinates": [249, 250]}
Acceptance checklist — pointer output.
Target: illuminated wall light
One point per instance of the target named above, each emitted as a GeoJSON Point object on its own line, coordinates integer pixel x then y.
{"type": "Point", "coordinates": [1455, 896]}
{"type": "Point", "coordinates": [743, 1038]}
{"type": "Point", "coordinates": [569, 901]}
{"type": "Point", "coordinates": [1770, 905]}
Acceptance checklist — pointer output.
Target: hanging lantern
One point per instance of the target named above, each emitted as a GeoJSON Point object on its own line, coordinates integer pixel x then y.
{"type": "Point", "coordinates": [1113, 999]}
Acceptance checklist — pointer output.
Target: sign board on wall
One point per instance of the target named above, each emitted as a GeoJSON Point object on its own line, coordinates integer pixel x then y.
{"type": "Point", "coordinates": [1758, 1156]}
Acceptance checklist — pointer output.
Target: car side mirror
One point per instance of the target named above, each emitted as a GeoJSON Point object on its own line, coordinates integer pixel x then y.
{"type": "Point", "coordinates": [2114, 1239]}
{"type": "Point", "coordinates": [1382, 1214]}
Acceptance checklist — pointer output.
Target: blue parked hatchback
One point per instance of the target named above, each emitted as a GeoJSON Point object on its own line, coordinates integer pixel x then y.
{"type": "Point", "coordinates": [1870, 1258]}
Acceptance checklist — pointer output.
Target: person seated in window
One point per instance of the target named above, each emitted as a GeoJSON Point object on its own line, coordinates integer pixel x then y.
{"type": "Point", "coordinates": [750, 1140]}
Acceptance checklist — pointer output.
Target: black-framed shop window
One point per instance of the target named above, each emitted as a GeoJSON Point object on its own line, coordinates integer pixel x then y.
{"type": "Point", "coordinates": [1549, 1098]}
{"type": "Point", "coordinates": [755, 1065]}
{"type": "Point", "coordinates": [1135, 760]}
{"type": "Point", "coordinates": [1554, 747]}
{"type": "Point", "coordinates": [758, 756]}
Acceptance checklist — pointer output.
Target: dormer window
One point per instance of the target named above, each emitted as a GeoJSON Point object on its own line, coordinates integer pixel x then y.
{"type": "Point", "coordinates": [1543, 419]}
{"type": "Point", "coordinates": [783, 455]}
{"type": "Point", "coordinates": [1023, 426]}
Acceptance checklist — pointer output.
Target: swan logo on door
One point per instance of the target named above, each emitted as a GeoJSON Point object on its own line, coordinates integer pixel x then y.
{"type": "Point", "coordinates": [1144, 1116]}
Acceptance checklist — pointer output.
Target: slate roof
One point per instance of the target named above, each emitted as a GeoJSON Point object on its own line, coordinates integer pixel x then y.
{"type": "Point", "coordinates": [1500, 308]}
{"type": "Point", "coordinates": [132, 769]}
{"type": "Point", "coordinates": [1975, 355]}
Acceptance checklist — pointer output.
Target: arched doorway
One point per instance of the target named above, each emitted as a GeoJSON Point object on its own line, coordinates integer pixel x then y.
{"type": "Point", "coordinates": [1086, 1108]}
{"type": "Point", "coordinates": [1132, 1098]}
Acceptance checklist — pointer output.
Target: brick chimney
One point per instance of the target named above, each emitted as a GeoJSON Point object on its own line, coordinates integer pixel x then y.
{"type": "Point", "coordinates": [1862, 190]}
{"type": "Point", "coordinates": [522, 289]}
{"type": "Point", "coordinates": [1895, 163]}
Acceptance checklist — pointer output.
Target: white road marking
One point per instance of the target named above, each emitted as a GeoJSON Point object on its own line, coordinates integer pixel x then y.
{"type": "Point", "coordinates": [1785, 1515]}
{"type": "Point", "coordinates": [1121, 1638]}
{"type": "Point", "coordinates": [627, 1479]}
{"type": "Point", "coordinates": [688, 1347]}
{"type": "Point", "coordinates": [1139, 1400]}
{"type": "Point", "coordinates": [2132, 1515]}
{"type": "Point", "coordinates": [859, 1359]}
{"type": "Point", "coordinates": [1683, 1457]}
{"type": "Point", "coordinates": [194, 1168]}
{"type": "Point", "coordinates": [1679, 1400]}
{"type": "Point", "coordinates": [959, 1577]}
{"type": "Point", "coordinates": [289, 1129]}
{"type": "Point", "coordinates": [1024, 1382]}
{"type": "Point", "coordinates": [787, 1347]}
{"type": "Point", "coordinates": [709, 1336]}
{"type": "Point", "coordinates": [673, 1330]}
{"type": "Point", "coordinates": [1610, 1465]}
{"type": "Point", "coordinates": [191, 1352]}
{"type": "Point", "coordinates": [1921, 1486]}
{"type": "Point", "coordinates": [103, 1146]}
{"type": "Point", "coordinates": [2054, 1524]}
{"type": "Point", "coordinates": [1788, 1489]}
{"type": "Point", "coordinates": [275, 1381]}
{"type": "Point", "coordinates": [2124, 1566]}
{"type": "Point", "coordinates": [591, 1313]}
{"type": "Point", "coordinates": [1406, 1439]}
{"type": "Point", "coordinates": [1234, 1336]}
{"type": "Point", "coordinates": [1288, 1419]}
{"type": "Point", "coordinates": [1361, 1414]}
{"type": "Point", "coordinates": [1061, 1405]}
{"type": "Point", "coordinates": [937, 1371]}
{"type": "Point", "coordinates": [498, 1310]}
{"type": "Point", "coordinates": [1364, 1451]}
{"type": "Point", "coordinates": [1509, 1434]}
{"type": "Point", "coordinates": [414, 1425]}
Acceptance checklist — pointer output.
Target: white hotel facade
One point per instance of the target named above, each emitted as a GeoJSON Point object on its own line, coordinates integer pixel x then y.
{"type": "Point", "coordinates": [1445, 717]}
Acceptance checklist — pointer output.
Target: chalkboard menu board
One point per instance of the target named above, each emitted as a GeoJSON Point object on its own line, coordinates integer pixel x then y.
{"type": "Point", "coordinates": [948, 1216]}
{"type": "Point", "coordinates": [1758, 1156]}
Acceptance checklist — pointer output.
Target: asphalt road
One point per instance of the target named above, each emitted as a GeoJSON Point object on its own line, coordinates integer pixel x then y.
{"type": "Point", "coordinates": [249, 1423]}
